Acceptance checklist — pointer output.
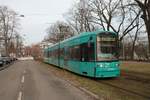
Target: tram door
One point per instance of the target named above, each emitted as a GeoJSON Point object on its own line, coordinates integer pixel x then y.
{"type": "Point", "coordinates": [87, 57]}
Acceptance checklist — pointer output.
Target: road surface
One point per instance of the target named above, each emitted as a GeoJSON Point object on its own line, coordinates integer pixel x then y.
{"type": "Point", "coordinates": [28, 80]}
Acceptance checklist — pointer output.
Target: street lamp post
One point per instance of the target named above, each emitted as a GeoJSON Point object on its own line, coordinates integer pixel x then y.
{"type": "Point", "coordinates": [18, 39]}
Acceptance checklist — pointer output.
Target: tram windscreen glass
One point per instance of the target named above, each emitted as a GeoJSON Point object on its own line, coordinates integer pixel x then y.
{"type": "Point", "coordinates": [106, 47]}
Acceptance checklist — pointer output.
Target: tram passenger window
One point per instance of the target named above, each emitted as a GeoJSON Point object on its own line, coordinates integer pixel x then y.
{"type": "Point", "coordinates": [67, 53]}
{"type": "Point", "coordinates": [75, 52]}
{"type": "Point", "coordinates": [57, 53]}
{"type": "Point", "coordinates": [45, 53]}
{"type": "Point", "coordinates": [87, 52]}
{"type": "Point", "coordinates": [52, 54]}
{"type": "Point", "coordinates": [61, 53]}
{"type": "Point", "coordinates": [70, 53]}
{"type": "Point", "coordinates": [48, 53]}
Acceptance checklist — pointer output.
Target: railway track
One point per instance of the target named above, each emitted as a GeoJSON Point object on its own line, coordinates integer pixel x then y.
{"type": "Point", "coordinates": [129, 77]}
{"type": "Point", "coordinates": [124, 89]}
{"type": "Point", "coordinates": [135, 76]}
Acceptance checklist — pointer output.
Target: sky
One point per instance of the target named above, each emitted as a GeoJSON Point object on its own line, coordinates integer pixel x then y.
{"type": "Point", "coordinates": [39, 14]}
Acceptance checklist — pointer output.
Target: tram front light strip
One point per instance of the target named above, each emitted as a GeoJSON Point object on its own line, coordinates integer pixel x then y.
{"type": "Point", "coordinates": [117, 64]}
{"type": "Point", "coordinates": [101, 65]}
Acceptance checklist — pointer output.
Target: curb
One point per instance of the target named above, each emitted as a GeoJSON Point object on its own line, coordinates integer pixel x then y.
{"type": "Point", "coordinates": [5, 66]}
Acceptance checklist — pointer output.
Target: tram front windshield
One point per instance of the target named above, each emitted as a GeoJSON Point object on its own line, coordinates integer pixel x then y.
{"type": "Point", "coordinates": [106, 47]}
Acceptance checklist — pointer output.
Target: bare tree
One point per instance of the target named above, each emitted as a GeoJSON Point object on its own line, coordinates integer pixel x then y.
{"type": "Point", "coordinates": [36, 51]}
{"type": "Point", "coordinates": [111, 15]}
{"type": "Point", "coordinates": [120, 16]}
{"type": "Point", "coordinates": [8, 25]}
{"type": "Point", "coordinates": [142, 50]}
{"type": "Point", "coordinates": [145, 7]}
{"type": "Point", "coordinates": [80, 17]}
{"type": "Point", "coordinates": [18, 40]}
{"type": "Point", "coordinates": [135, 38]}
{"type": "Point", "coordinates": [115, 15]}
{"type": "Point", "coordinates": [58, 32]}
{"type": "Point", "coordinates": [28, 51]}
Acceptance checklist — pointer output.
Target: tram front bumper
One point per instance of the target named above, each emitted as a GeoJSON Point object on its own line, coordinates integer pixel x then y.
{"type": "Point", "coordinates": [113, 73]}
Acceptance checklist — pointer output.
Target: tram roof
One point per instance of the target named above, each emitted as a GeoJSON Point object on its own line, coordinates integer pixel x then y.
{"type": "Point", "coordinates": [83, 34]}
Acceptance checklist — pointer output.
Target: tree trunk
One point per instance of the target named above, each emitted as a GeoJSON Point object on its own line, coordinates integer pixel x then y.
{"type": "Point", "coordinates": [148, 31]}
{"type": "Point", "coordinates": [145, 7]}
{"type": "Point", "coordinates": [147, 23]}
{"type": "Point", "coordinates": [6, 48]}
{"type": "Point", "coordinates": [133, 47]}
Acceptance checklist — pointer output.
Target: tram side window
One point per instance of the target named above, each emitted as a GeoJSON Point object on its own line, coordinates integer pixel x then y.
{"type": "Point", "coordinates": [74, 52]}
{"type": "Point", "coordinates": [67, 54]}
{"type": "Point", "coordinates": [49, 53]}
{"type": "Point", "coordinates": [52, 54]}
{"type": "Point", "coordinates": [70, 53]}
{"type": "Point", "coordinates": [87, 52]}
{"type": "Point", "coordinates": [56, 53]}
{"type": "Point", "coordinates": [77, 53]}
{"type": "Point", "coordinates": [45, 54]}
{"type": "Point", "coordinates": [61, 53]}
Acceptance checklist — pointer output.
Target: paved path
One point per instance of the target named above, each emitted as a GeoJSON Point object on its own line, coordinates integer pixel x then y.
{"type": "Point", "coordinates": [28, 80]}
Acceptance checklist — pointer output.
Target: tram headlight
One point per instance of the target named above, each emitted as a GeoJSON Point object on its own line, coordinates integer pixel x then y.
{"type": "Point", "coordinates": [101, 65]}
{"type": "Point", "coordinates": [117, 64]}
